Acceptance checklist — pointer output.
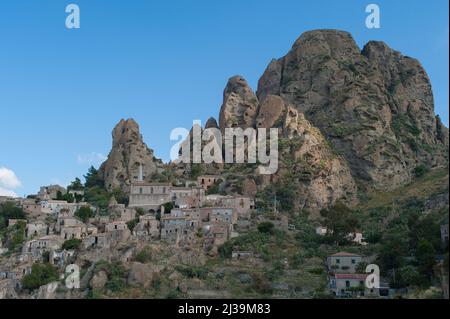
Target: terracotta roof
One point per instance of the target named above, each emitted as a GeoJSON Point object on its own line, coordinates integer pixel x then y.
{"type": "Point", "coordinates": [345, 254]}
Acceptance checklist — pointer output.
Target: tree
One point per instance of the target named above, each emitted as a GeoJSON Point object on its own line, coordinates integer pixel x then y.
{"type": "Point", "coordinates": [168, 207]}
{"type": "Point", "coordinates": [340, 221]}
{"type": "Point", "coordinates": [76, 185]}
{"type": "Point", "coordinates": [8, 211]}
{"type": "Point", "coordinates": [71, 244]}
{"type": "Point", "coordinates": [41, 274]}
{"type": "Point", "coordinates": [408, 276]}
{"type": "Point", "coordinates": [93, 178]}
{"type": "Point", "coordinates": [84, 213]}
{"type": "Point", "coordinates": [266, 227]}
{"type": "Point", "coordinates": [425, 256]}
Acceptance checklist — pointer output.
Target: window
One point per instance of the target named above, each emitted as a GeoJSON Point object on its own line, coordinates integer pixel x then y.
{"type": "Point", "coordinates": [140, 190]}
{"type": "Point", "coordinates": [338, 261]}
{"type": "Point", "coordinates": [353, 261]}
{"type": "Point", "coordinates": [347, 284]}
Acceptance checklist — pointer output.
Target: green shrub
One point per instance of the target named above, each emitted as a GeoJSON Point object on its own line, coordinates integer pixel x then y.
{"type": "Point", "coordinates": [266, 227]}
{"type": "Point", "coordinates": [71, 244]}
{"type": "Point", "coordinates": [84, 213]}
{"type": "Point", "coordinates": [420, 170]}
{"type": "Point", "coordinates": [116, 284]}
{"type": "Point", "coordinates": [145, 255]}
{"type": "Point", "coordinates": [41, 274]}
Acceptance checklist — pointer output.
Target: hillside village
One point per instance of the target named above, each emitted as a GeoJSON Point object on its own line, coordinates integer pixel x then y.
{"type": "Point", "coordinates": [362, 179]}
{"type": "Point", "coordinates": [185, 218]}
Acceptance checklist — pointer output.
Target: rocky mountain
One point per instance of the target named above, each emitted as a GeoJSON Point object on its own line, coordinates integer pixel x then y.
{"type": "Point", "coordinates": [128, 155]}
{"type": "Point", "coordinates": [355, 116]}
{"type": "Point", "coordinates": [375, 105]}
{"type": "Point", "coordinates": [349, 120]}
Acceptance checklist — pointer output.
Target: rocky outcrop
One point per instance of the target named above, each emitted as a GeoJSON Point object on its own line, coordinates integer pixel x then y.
{"type": "Point", "coordinates": [99, 280]}
{"type": "Point", "coordinates": [48, 291]}
{"type": "Point", "coordinates": [375, 105]}
{"type": "Point", "coordinates": [7, 290]}
{"type": "Point", "coordinates": [140, 274]}
{"type": "Point", "coordinates": [128, 154]}
{"type": "Point", "coordinates": [239, 104]}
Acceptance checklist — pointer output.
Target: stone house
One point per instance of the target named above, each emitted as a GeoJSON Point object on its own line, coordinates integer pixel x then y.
{"type": "Point", "coordinates": [148, 225]}
{"type": "Point", "coordinates": [223, 214]}
{"type": "Point", "coordinates": [188, 197]}
{"type": "Point", "coordinates": [207, 181]}
{"type": "Point", "coordinates": [116, 225]}
{"type": "Point", "coordinates": [50, 192]}
{"type": "Point", "coordinates": [243, 205]}
{"type": "Point", "coordinates": [36, 229]}
{"type": "Point", "coordinates": [238, 254]}
{"type": "Point", "coordinates": [343, 262]}
{"type": "Point", "coordinates": [32, 207]}
{"type": "Point", "coordinates": [100, 241]}
{"type": "Point", "coordinates": [149, 196]}
{"type": "Point", "coordinates": [128, 214]}
{"type": "Point", "coordinates": [217, 233]}
{"type": "Point", "coordinates": [33, 250]}
{"type": "Point", "coordinates": [61, 258]}
{"type": "Point", "coordinates": [351, 285]}
{"type": "Point", "coordinates": [78, 231]}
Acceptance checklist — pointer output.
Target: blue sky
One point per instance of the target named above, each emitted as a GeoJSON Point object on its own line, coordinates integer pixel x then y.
{"type": "Point", "coordinates": [164, 63]}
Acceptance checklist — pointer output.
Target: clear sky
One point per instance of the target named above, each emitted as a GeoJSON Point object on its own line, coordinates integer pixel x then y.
{"type": "Point", "coordinates": [164, 63]}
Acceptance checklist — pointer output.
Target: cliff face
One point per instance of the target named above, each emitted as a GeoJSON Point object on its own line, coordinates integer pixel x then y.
{"type": "Point", "coordinates": [376, 105]}
{"type": "Point", "coordinates": [128, 154]}
{"type": "Point", "coordinates": [346, 117]}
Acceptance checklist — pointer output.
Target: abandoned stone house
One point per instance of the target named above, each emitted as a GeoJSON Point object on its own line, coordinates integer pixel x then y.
{"type": "Point", "coordinates": [128, 214]}
{"type": "Point", "coordinates": [116, 225]}
{"type": "Point", "coordinates": [19, 271]}
{"type": "Point", "coordinates": [172, 227]}
{"type": "Point", "coordinates": [243, 205]}
{"type": "Point", "coordinates": [216, 234]}
{"type": "Point", "coordinates": [239, 254]}
{"type": "Point", "coordinates": [65, 221]}
{"type": "Point", "coordinates": [50, 192]}
{"type": "Point", "coordinates": [61, 258]}
{"type": "Point", "coordinates": [149, 196]}
{"type": "Point", "coordinates": [36, 229]}
{"type": "Point", "coordinates": [78, 231]}
{"type": "Point", "coordinates": [188, 197]}
{"type": "Point", "coordinates": [99, 240]}
{"type": "Point", "coordinates": [55, 207]}
{"type": "Point", "coordinates": [31, 207]}
{"type": "Point", "coordinates": [223, 214]}
{"type": "Point", "coordinates": [35, 248]}
{"type": "Point", "coordinates": [207, 181]}
{"type": "Point", "coordinates": [148, 226]}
